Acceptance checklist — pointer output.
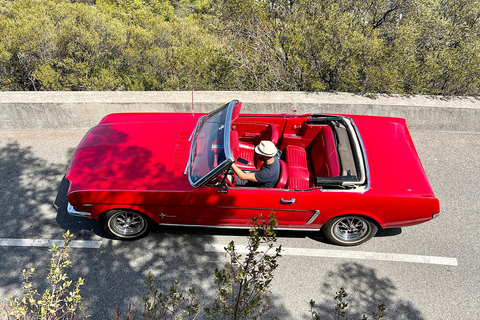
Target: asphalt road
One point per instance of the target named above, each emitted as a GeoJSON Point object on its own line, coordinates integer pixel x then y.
{"type": "Point", "coordinates": [32, 194]}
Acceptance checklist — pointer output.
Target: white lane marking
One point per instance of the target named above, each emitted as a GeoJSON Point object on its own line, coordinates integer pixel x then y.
{"type": "Point", "coordinates": [85, 244]}
{"type": "Point", "coordinates": [323, 253]}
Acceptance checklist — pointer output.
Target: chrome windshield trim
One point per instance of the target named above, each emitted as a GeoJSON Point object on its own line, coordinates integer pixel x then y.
{"type": "Point", "coordinates": [193, 132]}
{"type": "Point", "coordinates": [228, 129]}
{"type": "Point", "coordinates": [360, 152]}
{"type": "Point", "coordinates": [226, 143]}
{"type": "Point", "coordinates": [192, 146]}
{"type": "Point", "coordinates": [71, 210]}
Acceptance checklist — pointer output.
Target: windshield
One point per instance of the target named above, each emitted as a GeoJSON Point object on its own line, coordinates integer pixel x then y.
{"type": "Point", "coordinates": [210, 151]}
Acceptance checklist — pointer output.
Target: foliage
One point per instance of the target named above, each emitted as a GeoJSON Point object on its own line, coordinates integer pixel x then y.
{"type": "Point", "coordinates": [244, 288]}
{"type": "Point", "coordinates": [244, 284]}
{"type": "Point", "coordinates": [340, 307]}
{"type": "Point", "coordinates": [405, 46]}
{"type": "Point", "coordinates": [59, 301]}
{"type": "Point", "coordinates": [174, 305]}
{"type": "Point", "coordinates": [113, 45]}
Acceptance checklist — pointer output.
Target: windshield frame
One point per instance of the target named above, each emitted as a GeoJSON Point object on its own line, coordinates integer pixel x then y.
{"type": "Point", "coordinates": [229, 159]}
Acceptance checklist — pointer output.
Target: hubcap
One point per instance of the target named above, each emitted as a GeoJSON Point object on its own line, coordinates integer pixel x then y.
{"type": "Point", "coordinates": [127, 223]}
{"type": "Point", "coordinates": [350, 229]}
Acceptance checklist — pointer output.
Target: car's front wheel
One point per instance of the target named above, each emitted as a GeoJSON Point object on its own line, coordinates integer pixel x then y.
{"type": "Point", "coordinates": [125, 224]}
{"type": "Point", "coordinates": [349, 230]}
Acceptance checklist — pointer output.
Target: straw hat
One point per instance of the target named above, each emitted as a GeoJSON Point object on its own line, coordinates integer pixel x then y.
{"type": "Point", "coordinates": [266, 148]}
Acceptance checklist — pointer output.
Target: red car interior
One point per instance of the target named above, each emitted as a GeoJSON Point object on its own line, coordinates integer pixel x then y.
{"type": "Point", "coordinates": [282, 181]}
{"type": "Point", "coordinates": [298, 174]}
{"type": "Point", "coordinates": [310, 150]}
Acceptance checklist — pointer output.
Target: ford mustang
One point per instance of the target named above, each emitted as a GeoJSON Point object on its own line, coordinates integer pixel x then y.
{"type": "Point", "coordinates": [344, 176]}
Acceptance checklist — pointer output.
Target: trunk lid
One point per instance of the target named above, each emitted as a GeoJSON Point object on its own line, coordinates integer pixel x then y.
{"type": "Point", "coordinates": [392, 158]}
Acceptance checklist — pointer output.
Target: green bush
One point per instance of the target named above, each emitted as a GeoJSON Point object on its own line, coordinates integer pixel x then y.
{"type": "Point", "coordinates": [58, 301]}
{"type": "Point", "coordinates": [406, 46]}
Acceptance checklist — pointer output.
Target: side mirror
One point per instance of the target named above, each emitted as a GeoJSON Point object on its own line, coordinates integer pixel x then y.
{"type": "Point", "coordinates": [223, 188]}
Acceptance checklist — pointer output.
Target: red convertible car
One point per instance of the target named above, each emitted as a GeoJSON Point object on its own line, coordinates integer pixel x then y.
{"type": "Point", "coordinates": [345, 176]}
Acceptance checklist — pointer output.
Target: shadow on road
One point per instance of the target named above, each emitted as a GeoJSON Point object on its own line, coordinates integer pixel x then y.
{"type": "Point", "coordinates": [32, 187]}
{"type": "Point", "coordinates": [366, 290]}
{"type": "Point", "coordinates": [27, 191]}
{"type": "Point", "coordinates": [33, 193]}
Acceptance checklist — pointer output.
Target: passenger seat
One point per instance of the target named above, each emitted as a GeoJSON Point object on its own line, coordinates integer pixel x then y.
{"type": "Point", "coordinates": [247, 150]}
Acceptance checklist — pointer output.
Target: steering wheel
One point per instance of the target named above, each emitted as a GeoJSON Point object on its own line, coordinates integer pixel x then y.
{"type": "Point", "coordinates": [230, 183]}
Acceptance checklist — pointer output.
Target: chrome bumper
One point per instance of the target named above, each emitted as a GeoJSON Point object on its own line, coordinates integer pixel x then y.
{"type": "Point", "coordinates": [71, 210]}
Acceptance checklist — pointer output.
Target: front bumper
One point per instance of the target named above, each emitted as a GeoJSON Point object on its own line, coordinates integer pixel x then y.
{"type": "Point", "coordinates": [71, 210]}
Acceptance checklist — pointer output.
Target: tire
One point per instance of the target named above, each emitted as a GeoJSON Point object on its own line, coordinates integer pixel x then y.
{"type": "Point", "coordinates": [349, 230]}
{"type": "Point", "coordinates": [125, 224]}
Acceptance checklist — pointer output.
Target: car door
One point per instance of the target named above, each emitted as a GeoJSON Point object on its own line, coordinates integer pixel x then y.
{"type": "Point", "coordinates": [236, 207]}
{"type": "Point", "coordinates": [315, 206]}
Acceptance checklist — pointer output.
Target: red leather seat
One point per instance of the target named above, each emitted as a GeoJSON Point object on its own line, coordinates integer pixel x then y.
{"type": "Point", "coordinates": [324, 154]}
{"type": "Point", "coordinates": [242, 150]}
{"type": "Point", "coordinates": [271, 133]}
{"type": "Point", "coordinates": [283, 179]}
{"type": "Point", "coordinates": [247, 150]}
{"type": "Point", "coordinates": [298, 174]}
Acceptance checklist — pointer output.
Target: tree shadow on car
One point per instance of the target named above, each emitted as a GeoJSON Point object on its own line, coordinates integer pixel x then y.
{"type": "Point", "coordinates": [81, 227]}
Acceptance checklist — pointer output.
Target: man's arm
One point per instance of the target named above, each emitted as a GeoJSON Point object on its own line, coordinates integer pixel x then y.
{"type": "Point", "coordinates": [242, 175]}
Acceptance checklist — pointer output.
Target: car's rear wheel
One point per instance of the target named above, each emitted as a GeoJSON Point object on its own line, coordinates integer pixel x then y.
{"type": "Point", "coordinates": [349, 230]}
{"type": "Point", "coordinates": [125, 224]}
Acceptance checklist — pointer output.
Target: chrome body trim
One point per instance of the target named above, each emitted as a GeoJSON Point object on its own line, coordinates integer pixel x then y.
{"type": "Point", "coordinates": [232, 227]}
{"type": "Point", "coordinates": [162, 215]}
{"type": "Point", "coordinates": [313, 217]}
{"type": "Point", "coordinates": [71, 210]}
{"type": "Point", "coordinates": [266, 209]}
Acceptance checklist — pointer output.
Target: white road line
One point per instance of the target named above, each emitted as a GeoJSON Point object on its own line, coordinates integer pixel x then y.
{"type": "Point", "coordinates": [323, 253]}
{"type": "Point", "coordinates": [85, 244]}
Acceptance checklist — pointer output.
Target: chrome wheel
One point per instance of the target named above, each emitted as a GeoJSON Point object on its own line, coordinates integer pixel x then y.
{"type": "Point", "coordinates": [349, 230]}
{"type": "Point", "coordinates": [125, 224]}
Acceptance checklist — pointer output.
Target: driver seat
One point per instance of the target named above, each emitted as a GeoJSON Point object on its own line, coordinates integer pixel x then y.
{"type": "Point", "coordinates": [282, 180]}
{"type": "Point", "coordinates": [246, 150]}
{"type": "Point", "coordinates": [242, 150]}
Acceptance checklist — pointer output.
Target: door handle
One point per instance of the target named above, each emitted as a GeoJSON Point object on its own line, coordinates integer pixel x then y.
{"type": "Point", "coordinates": [289, 202]}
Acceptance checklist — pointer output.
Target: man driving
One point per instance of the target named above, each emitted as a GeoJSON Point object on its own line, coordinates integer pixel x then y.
{"type": "Point", "coordinates": [269, 173]}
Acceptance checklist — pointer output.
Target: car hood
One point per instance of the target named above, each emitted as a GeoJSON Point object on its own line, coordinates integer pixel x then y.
{"type": "Point", "coordinates": [133, 152]}
{"type": "Point", "coordinates": [392, 158]}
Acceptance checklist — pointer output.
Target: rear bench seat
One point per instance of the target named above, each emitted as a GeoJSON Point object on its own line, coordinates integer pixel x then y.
{"type": "Point", "coordinates": [298, 174]}
{"type": "Point", "coordinates": [323, 153]}
{"type": "Point", "coordinates": [321, 157]}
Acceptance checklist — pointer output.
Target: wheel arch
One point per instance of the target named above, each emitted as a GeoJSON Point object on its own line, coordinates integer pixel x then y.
{"type": "Point", "coordinates": [134, 208]}
{"type": "Point", "coordinates": [364, 214]}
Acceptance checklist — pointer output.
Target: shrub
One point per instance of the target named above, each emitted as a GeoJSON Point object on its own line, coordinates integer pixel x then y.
{"type": "Point", "coordinates": [58, 301]}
